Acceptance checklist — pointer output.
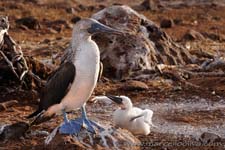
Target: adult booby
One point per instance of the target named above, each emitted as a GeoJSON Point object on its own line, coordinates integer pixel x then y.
{"type": "Point", "coordinates": [73, 82]}
{"type": "Point", "coordinates": [136, 120]}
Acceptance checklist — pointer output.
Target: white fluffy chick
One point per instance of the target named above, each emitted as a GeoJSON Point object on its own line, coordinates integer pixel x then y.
{"type": "Point", "coordinates": [134, 119]}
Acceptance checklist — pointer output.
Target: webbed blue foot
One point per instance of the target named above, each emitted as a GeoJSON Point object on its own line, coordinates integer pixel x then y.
{"type": "Point", "coordinates": [74, 126]}
{"type": "Point", "coordinates": [70, 127]}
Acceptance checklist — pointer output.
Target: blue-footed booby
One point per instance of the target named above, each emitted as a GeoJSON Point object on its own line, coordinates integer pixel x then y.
{"type": "Point", "coordinates": [134, 119]}
{"type": "Point", "coordinates": [72, 84]}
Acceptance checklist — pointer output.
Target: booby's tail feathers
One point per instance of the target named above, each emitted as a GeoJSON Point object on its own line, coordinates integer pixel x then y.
{"type": "Point", "coordinates": [41, 117]}
{"type": "Point", "coordinates": [34, 114]}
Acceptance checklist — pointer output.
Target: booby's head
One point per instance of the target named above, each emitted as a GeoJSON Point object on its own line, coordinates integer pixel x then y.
{"type": "Point", "coordinates": [123, 101]}
{"type": "Point", "coordinates": [91, 26]}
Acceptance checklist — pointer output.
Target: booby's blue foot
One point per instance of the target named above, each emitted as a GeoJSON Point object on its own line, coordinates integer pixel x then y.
{"type": "Point", "coordinates": [70, 127]}
{"type": "Point", "coordinates": [74, 126]}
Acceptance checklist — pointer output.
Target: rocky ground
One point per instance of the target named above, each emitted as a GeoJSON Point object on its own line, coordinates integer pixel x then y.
{"type": "Point", "coordinates": [187, 116]}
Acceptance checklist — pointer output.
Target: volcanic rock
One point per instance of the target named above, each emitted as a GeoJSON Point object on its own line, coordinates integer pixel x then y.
{"type": "Point", "coordinates": [110, 139]}
{"type": "Point", "coordinates": [192, 35]}
{"type": "Point", "coordinates": [133, 85]}
{"type": "Point", "coordinates": [143, 47]}
{"type": "Point", "coordinates": [166, 23]}
{"type": "Point", "coordinates": [58, 25]}
{"type": "Point", "coordinates": [75, 19]}
{"type": "Point", "coordinates": [147, 5]}
{"type": "Point", "coordinates": [214, 36]}
{"type": "Point", "coordinates": [13, 131]}
{"type": "Point", "coordinates": [208, 137]}
{"type": "Point", "coordinates": [29, 22]}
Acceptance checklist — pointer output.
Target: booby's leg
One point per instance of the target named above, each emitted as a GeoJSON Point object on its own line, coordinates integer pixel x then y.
{"type": "Point", "coordinates": [90, 125]}
{"type": "Point", "coordinates": [74, 126]}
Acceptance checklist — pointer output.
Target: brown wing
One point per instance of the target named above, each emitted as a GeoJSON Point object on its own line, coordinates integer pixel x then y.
{"type": "Point", "coordinates": [56, 87]}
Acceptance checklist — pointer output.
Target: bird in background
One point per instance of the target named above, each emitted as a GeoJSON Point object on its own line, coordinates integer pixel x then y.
{"type": "Point", "coordinates": [134, 119]}
{"type": "Point", "coordinates": [71, 85]}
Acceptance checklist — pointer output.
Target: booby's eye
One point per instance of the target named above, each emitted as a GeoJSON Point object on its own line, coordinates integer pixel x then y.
{"type": "Point", "coordinates": [3, 21]}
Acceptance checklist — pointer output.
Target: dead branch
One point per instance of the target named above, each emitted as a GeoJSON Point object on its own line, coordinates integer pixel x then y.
{"type": "Point", "coordinates": [5, 105]}
{"type": "Point", "coordinates": [13, 56]}
{"type": "Point", "coordinates": [176, 74]}
{"type": "Point", "coordinates": [39, 82]}
{"type": "Point", "coordinates": [17, 56]}
{"type": "Point", "coordinates": [187, 73]}
{"type": "Point", "coordinates": [192, 74]}
{"type": "Point", "coordinates": [9, 64]}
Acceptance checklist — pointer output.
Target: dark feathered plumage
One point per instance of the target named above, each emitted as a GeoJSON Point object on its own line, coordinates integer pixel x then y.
{"type": "Point", "coordinates": [56, 87]}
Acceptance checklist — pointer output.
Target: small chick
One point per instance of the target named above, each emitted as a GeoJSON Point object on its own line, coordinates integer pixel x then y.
{"type": "Point", "coordinates": [134, 119]}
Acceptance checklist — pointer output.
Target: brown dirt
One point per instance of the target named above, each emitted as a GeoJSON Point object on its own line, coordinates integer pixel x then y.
{"type": "Point", "coordinates": [203, 18]}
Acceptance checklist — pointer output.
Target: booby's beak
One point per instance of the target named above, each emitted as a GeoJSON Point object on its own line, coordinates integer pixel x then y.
{"type": "Point", "coordinates": [116, 99]}
{"type": "Point", "coordinates": [98, 27]}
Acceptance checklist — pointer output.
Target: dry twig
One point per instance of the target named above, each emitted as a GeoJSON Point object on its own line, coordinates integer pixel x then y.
{"type": "Point", "coordinates": [5, 105]}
